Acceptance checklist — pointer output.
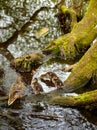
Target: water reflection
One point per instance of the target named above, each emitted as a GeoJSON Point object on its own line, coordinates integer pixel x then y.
{"type": "Point", "coordinates": [67, 118]}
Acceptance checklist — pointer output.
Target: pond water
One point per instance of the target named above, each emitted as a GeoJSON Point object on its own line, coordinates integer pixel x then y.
{"type": "Point", "coordinates": [26, 115]}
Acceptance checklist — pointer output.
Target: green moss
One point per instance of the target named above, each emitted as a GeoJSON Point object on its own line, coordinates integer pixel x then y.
{"type": "Point", "coordinates": [86, 98]}
{"type": "Point", "coordinates": [71, 13]}
{"type": "Point", "coordinates": [83, 71]}
{"type": "Point", "coordinates": [26, 62]}
{"type": "Point", "coordinates": [82, 100]}
{"type": "Point", "coordinates": [75, 44]}
{"type": "Point", "coordinates": [63, 101]}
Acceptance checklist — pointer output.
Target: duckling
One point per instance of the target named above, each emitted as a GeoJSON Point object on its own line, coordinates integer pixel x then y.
{"type": "Point", "coordinates": [54, 78]}
{"type": "Point", "coordinates": [58, 83]}
{"type": "Point", "coordinates": [36, 86]}
{"type": "Point", "coordinates": [16, 91]}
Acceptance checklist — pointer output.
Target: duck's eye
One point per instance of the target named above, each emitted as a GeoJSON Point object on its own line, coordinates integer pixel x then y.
{"type": "Point", "coordinates": [17, 91]}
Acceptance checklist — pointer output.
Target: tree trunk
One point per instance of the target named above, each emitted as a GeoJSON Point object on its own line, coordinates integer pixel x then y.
{"type": "Point", "coordinates": [83, 71]}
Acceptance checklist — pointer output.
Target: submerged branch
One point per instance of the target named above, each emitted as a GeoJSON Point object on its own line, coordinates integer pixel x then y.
{"type": "Point", "coordinates": [42, 116]}
{"type": "Point", "coordinates": [5, 52]}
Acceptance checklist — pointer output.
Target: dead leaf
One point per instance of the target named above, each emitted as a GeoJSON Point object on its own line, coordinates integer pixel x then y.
{"type": "Point", "coordinates": [41, 32]}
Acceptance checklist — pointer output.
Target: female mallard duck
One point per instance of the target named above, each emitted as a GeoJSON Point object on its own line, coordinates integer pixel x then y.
{"type": "Point", "coordinates": [54, 78]}
{"type": "Point", "coordinates": [16, 91]}
{"type": "Point", "coordinates": [36, 86]}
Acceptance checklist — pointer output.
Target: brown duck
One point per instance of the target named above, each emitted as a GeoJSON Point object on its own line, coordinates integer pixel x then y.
{"type": "Point", "coordinates": [54, 78]}
{"type": "Point", "coordinates": [16, 91]}
{"type": "Point", "coordinates": [36, 86]}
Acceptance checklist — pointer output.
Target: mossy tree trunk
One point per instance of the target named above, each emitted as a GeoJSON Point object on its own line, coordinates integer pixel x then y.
{"type": "Point", "coordinates": [83, 71]}
{"type": "Point", "coordinates": [86, 100]}
{"type": "Point", "coordinates": [74, 44]}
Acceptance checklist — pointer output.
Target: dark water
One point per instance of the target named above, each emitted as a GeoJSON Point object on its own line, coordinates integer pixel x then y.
{"type": "Point", "coordinates": [29, 116]}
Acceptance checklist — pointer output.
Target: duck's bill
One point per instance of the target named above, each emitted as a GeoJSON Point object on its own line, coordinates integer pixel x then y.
{"type": "Point", "coordinates": [10, 101]}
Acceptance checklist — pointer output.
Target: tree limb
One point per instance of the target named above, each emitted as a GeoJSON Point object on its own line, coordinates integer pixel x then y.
{"type": "Point", "coordinates": [74, 45]}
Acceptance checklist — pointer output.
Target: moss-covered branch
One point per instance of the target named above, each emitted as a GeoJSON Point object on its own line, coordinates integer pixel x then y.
{"type": "Point", "coordinates": [5, 52]}
{"type": "Point", "coordinates": [87, 100]}
{"type": "Point", "coordinates": [71, 13]}
{"type": "Point", "coordinates": [74, 44]}
{"type": "Point", "coordinates": [27, 63]}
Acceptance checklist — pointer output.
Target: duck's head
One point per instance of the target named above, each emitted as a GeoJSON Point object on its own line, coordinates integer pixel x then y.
{"type": "Point", "coordinates": [13, 96]}
{"type": "Point", "coordinates": [46, 75]}
{"type": "Point", "coordinates": [35, 80]}
{"type": "Point", "coordinates": [55, 78]}
{"type": "Point", "coordinates": [49, 75]}
{"type": "Point", "coordinates": [36, 86]}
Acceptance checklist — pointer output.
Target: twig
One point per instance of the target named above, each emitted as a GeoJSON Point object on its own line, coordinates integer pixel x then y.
{"type": "Point", "coordinates": [3, 98]}
{"type": "Point", "coordinates": [6, 114]}
{"type": "Point", "coordinates": [46, 117]}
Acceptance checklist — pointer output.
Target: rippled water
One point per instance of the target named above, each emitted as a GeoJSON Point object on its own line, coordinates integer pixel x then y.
{"type": "Point", "coordinates": [26, 115]}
